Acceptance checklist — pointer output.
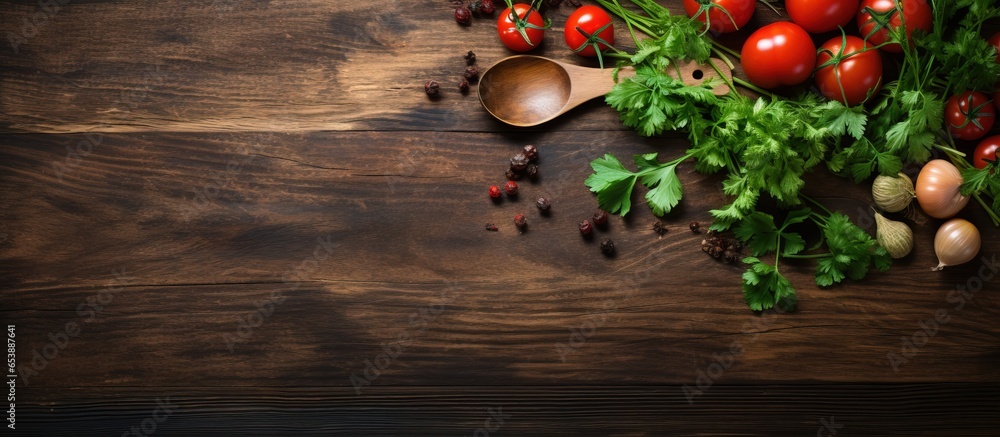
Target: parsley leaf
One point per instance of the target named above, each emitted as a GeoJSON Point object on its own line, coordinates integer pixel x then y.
{"type": "Point", "coordinates": [764, 286]}
{"type": "Point", "coordinates": [613, 183]}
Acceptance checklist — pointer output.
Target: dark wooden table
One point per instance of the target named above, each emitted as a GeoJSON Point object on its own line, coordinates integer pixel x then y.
{"type": "Point", "coordinates": [245, 217]}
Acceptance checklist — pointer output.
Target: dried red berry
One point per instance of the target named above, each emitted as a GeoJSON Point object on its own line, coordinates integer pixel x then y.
{"type": "Point", "coordinates": [543, 204]}
{"type": "Point", "coordinates": [491, 227]}
{"type": "Point", "coordinates": [586, 228]}
{"type": "Point", "coordinates": [495, 192]}
{"type": "Point", "coordinates": [432, 88]}
{"type": "Point", "coordinates": [472, 72]}
{"type": "Point", "coordinates": [510, 188]}
{"type": "Point", "coordinates": [531, 152]}
{"type": "Point", "coordinates": [600, 217]}
{"type": "Point", "coordinates": [519, 162]}
{"type": "Point", "coordinates": [486, 7]}
{"type": "Point", "coordinates": [463, 86]}
{"type": "Point", "coordinates": [520, 221]}
{"type": "Point", "coordinates": [463, 15]}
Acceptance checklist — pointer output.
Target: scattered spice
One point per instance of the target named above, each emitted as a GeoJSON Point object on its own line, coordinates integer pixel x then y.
{"type": "Point", "coordinates": [510, 188]}
{"type": "Point", "coordinates": [600, 217]}
{"type": "Point", "coordinates": [520, 221]}
{"type": "Point", "coordinates": [511, 175]}
{"type": "Point", "coordinates": [532, 172]}
{"type": "Point", "coordinates": [531, 152]}
{"type": "Point", "coordinates": [471, 73]}
{"type": "Point", "coordinates": [519, 162]}
{"type": "Point", "coordinates": [543, 204]}
{"type": "Point", "coordinates": [659, 228]}
{"type": "Point", "coordinates": [470, 58]}
{"type": "Point", "coordinates": [463, 15]}
{"type": "Point", "coordinates": [494, 191]}
{"type": "Point", "coordinates": [491, 227]}
{"type": "Point", "coordinates": [463, 86]}
{"type": "Point", "coordinates": [432, 88]}
{"type": "Point", "coordinates": [486, 7]}
{"type": "Point", "coordinates": [586, 228]}
{"type": "Point", "coordinates": [608, 247]}
{"type": "Point", "coordinates": [695, 227]}
{"type": "Point", "coordinates": [723, 247]}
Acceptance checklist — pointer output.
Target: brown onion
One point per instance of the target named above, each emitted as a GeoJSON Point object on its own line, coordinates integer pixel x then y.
{"type": "Point", "coordinates": [957, 241]}
{"type": "Point", "coordinates": [937, 189]}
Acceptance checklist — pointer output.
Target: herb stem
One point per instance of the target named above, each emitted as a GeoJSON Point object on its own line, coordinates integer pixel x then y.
{"type": "Point", "coordinates": [814, 202]}
{"type": "Point", "coordinates": [753, 87]}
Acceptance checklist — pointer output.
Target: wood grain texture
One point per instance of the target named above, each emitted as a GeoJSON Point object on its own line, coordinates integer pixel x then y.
{"type": "Point", "coordinates": [244, 206]}
{"type": "Point", "coordinates": [935, 409]}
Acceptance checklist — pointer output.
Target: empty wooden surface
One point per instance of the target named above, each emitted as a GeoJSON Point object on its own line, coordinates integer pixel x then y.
{"type": "Point", "coordinates": [243, 206]}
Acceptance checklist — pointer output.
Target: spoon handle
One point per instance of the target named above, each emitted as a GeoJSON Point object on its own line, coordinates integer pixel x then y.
{"type": "Point", "coordinates": [590, 83]}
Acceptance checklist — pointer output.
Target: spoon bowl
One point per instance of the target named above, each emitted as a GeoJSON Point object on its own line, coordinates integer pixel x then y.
{"type": "Point", "coordinates": [527, 90]}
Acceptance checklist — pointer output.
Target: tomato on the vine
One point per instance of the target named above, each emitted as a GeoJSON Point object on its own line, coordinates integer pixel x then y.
{"type": "Point", "coordinates": [521, 29]}
{"type": "Point", "coordinates": [818, 16]}
{"type": "Point", "coordinates": [969, 115]}
{"type": "Point", "coordinates": [589, 31]}
{"type": "Point", "coordinates": [986, 151]}
{"type": "Point", "coordinates": [778, 54]}
{"type": "Point", "coordinates": [721, 16]}
{"type": "Point", "coordinates": [848, 70]}
{"type": "Point", "coordinates": [876, 17]}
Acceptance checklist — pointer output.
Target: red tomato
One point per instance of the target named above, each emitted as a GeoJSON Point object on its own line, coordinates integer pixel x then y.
{"type": "Point", "coordinates": [529, 20]}
{"type": "Point", "coordinates": [778, 54]}
{"type": "Point", "coordinates": [969, 115]}
{"type": "Point", "coordinates": [589, 26]}
{"type": "Point", "coordinates": [739, 13]}
{"type": "Point", "coordinates": [917, 14]}
{"type": "Point", "coordinates": [995, 41]}
{"type": "Point", "coordinates": [818, 16]}
{"type": "Point", "coordinates": [857, 75]}
{"type": "Point", "coordinates": [986, 151]}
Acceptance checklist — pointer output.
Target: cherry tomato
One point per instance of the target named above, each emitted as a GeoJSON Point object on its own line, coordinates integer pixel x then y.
{"type": "Point", "coordinates": [818, 16]}
{"type": "Point", "coordinates": [857, 75]}
{"type": "Point", "coordinates": [588, 26]}
{"type": "Point", "coordinates": [969, 115]}
{"type": "Point", "coordinates": [739, 13]}
{"type": "Point", "coordinates": [778, 54]}
{"type": "Point", "coordinates": [529, 20]}
{"type": "Point", "coordinates": [875, 12]}
{"type": "Point", "coordinates": [995, 42]}
{"type": "Point", "coordinates": [986, 151]}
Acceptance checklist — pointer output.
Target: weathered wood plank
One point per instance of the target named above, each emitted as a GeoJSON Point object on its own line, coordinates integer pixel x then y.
{"type": "Point", "coordinates": [400, 220]}
{"type": "Point", "coordinates": [935, 409]}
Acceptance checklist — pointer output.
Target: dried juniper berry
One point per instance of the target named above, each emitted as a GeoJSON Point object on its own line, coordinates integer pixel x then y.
{"type": "Point", "coordinates": [543, 204]}
{"type": "Point", "coordinates": [432, 88]}
{"type": "Point", "coordinates": [531, 152]}
{"type": "Point", "coordinates": [519, 162]}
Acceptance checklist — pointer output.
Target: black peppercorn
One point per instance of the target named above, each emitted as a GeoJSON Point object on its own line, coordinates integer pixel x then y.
{"type": "Point", "coordinates": [470, 58]}
{"type": "Point", "coordinates": [543, 204]}
{"type": "Point", "coordinates": [659, 228]}
{"type": "Point", "coordinates": [511, 175]}
{"type": "Point", "coordinates": [463, 86]}
{"type": "Point", "coordinates": [532, 172]}
{"type": "Point", "coordinates": [608, 247]}
{"type": "Point", "coordinates": [695, 227]}
{"type": "Point", "coordinates": [472, 73]}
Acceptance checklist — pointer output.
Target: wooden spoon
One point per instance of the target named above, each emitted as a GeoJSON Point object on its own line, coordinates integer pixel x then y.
{"type": "Point", "coordinates": [527, 90]}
